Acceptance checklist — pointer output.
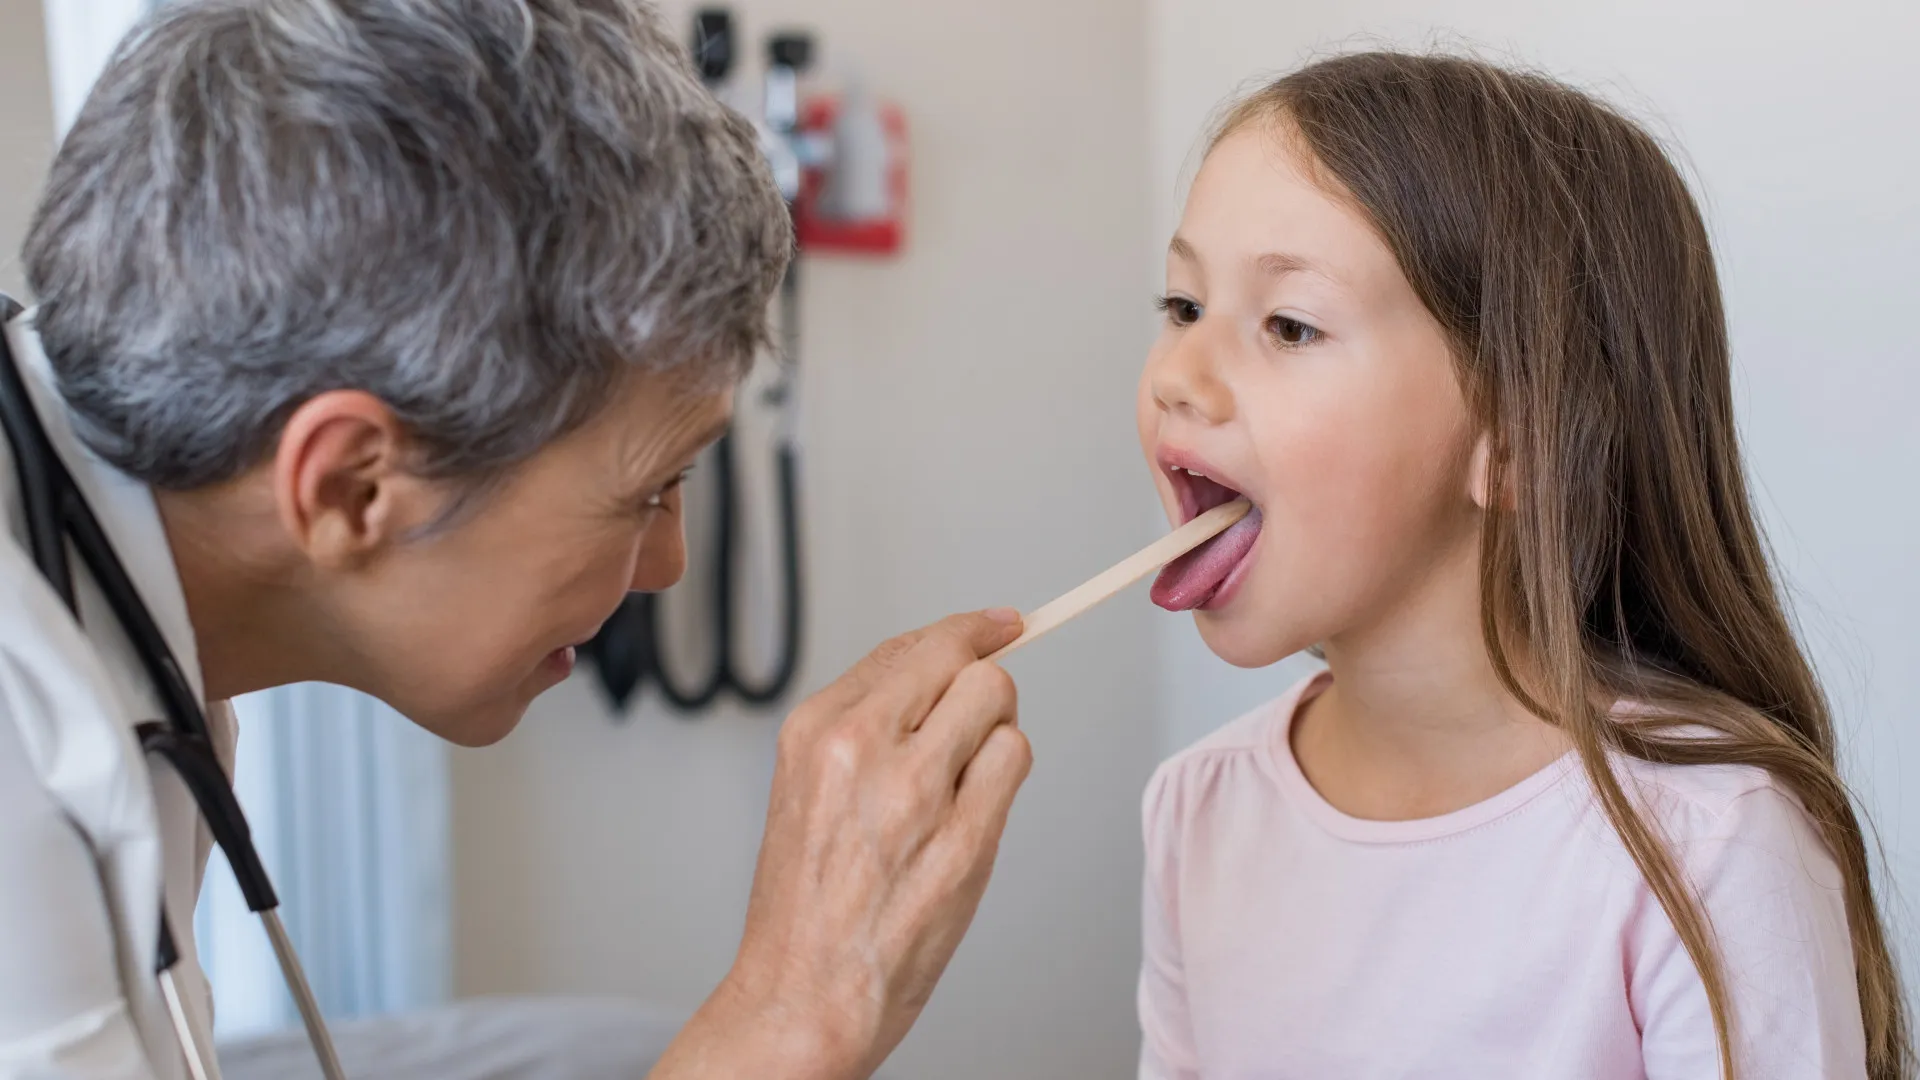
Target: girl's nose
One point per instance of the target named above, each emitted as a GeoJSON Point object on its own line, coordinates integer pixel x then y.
{"type": "Point", "coordinates": [1185, 380]}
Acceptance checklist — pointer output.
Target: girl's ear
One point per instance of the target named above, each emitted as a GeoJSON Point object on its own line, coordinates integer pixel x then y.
{"type": "Point", "coordinates": [1488, 492]}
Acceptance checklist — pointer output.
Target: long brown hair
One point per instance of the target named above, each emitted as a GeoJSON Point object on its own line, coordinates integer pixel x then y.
{"type": "Point", "coordinates": [1561, 252]}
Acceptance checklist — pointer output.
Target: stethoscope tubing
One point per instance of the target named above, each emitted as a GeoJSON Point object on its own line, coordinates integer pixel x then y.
{"type": "Point", "coordinates": [56, 511]}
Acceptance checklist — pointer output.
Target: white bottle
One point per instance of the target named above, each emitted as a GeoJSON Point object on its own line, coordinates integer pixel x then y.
{"type": "Point", "coordinates": [856, 187]}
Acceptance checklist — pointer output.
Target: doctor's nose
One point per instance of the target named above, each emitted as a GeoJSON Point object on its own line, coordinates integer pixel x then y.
{"type": "Point", "coordinates": [663, 549]}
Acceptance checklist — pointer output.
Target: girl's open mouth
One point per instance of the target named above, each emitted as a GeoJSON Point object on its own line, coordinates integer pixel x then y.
{"type": "Point", "coordinates": [1199, 577]}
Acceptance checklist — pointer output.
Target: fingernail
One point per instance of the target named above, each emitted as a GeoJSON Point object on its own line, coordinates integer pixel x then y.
{"type": "Point", "coordinates": [1003, 615]}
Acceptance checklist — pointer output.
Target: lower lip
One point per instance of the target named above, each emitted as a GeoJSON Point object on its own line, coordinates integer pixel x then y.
{"type": "Point", "coordinates": [559, 662]}
{"type": "Point", "coordinates": [1224, 595]}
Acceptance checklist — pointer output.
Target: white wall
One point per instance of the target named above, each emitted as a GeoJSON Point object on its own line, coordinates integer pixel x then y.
{"type": "Point", "coordinates": [26, 130]}
{"type": "Point", "coordinates": [81, 36]}
{"type": "Point", "coordinates": [1799, 123]}
{"type": "Point", "coordinates": [50, 53]}
{"type": "Point", "coordinates": [970, 442]}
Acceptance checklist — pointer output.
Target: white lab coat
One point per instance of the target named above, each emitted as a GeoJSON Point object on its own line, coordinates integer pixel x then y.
{"type": "Point", "coordinates": [87, 835]}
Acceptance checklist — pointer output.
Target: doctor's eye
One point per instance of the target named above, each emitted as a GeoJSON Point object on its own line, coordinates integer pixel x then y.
{"type": "Point", "coordinates": [1179, 310]}
{"type": "Point", "coordinates": [659, 498]}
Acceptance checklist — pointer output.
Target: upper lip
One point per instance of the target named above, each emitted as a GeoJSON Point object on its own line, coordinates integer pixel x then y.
{"type": "Point", "coordinates": [1174, 461]}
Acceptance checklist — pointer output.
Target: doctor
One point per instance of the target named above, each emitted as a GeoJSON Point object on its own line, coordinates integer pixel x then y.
{"type": "Point", "coordinates": [376, 337]}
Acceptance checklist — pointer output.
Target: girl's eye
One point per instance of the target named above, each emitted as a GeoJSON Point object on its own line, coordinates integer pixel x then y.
{"type": "Point", "coordinates": [1291, 333]}
{"type": "Point", "coordinates": [1179, 310]}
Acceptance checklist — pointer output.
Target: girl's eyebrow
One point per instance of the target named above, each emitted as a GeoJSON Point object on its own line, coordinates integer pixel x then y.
{"type": "Point", "coordinates": [1274, 264]}
{"type": "Point", "coordinates": [1279, 264]}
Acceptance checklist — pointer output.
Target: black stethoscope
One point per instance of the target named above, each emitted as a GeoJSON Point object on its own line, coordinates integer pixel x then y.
{"type": "Point", "coordinates": [57, 514]}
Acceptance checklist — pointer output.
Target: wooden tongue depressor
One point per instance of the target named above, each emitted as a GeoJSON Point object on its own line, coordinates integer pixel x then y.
{"type": "Point", "coordinates": [1052, 616]}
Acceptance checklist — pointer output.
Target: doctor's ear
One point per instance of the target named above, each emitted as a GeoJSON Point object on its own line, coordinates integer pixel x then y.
{"type": "Point", "coordinates": [340, 479]}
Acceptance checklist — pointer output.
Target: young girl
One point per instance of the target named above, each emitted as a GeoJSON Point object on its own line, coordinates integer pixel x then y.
{"type": "Point", "coordinates": [1564, 803]}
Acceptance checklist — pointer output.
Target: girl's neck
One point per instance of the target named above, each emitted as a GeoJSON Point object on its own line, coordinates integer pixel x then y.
{"type": "Point", "coordinates": [1417, 722]}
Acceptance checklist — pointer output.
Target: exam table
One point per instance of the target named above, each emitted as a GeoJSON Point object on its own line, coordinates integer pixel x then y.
{"type": "Point", "coordinates": [505, 1038]}
{"type": "Point", "coordinates": [500, 1038]}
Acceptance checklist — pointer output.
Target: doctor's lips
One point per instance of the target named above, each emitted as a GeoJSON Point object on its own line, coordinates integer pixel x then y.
{"type": "Point", "coordinates": [1203, 576]}
{"type": "Point", "coordinates": [562, 659]}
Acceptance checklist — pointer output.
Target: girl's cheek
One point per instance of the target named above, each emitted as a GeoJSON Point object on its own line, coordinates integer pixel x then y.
{"type": "Point", "coordinates": [1298, 438]}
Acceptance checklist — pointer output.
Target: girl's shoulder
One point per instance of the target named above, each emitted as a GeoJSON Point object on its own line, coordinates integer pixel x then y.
{"type": "Point", "coordinates": [1706, 802]}
{"type": "Point", "coordinates": [1234, 760]}
{"type": "Point", "coordinates": [1737, 830]}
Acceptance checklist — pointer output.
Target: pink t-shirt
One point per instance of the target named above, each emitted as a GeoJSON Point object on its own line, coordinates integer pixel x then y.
{"type": "Point", "coordinates": [1511, 939]}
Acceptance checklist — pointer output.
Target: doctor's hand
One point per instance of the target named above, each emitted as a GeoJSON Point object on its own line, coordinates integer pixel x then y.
{"type": "Point", "coordinates": [889, 797]}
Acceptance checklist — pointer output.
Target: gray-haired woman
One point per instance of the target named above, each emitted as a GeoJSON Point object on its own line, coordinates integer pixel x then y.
{"type": "Point", "coordinates": [377, 335]}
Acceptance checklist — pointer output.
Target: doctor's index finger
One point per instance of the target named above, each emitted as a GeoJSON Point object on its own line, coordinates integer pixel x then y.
{"type": "Point", "coordinates": [923, 675]}
{"type": "Point", "coordinates": [905, 675]}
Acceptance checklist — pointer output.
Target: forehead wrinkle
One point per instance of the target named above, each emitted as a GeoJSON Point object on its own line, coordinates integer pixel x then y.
{"type": "Point", "coordinates": [673, 437]}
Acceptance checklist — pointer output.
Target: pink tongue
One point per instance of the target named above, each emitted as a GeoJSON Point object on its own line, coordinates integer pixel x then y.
{"type": "Point", "coordinates": [1193, 578]}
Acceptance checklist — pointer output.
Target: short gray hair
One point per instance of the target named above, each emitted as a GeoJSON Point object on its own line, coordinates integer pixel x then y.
{"type": "Point", "coordinates": [480, 211]}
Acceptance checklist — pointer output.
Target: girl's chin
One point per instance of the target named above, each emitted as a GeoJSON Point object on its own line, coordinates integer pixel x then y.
{"type": "Point", "coordinates": [1244, 642]}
